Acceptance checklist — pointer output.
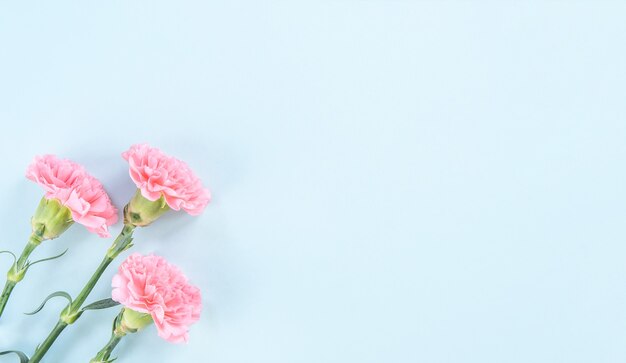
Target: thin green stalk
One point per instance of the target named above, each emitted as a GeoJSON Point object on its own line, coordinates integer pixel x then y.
{"type": "Point", "coordinates": [18, 270]}
{"type": "Point", "coordinates": [104, 354]}
{"type": "Point", "coordinates": [6, 293]}
{"type": "Point", "coordinates": [84, 293]}
{"type": "Point", "coordinates": [43, 347]}
{"type": "Point", "coordinates": [73, 311]}
{"type": "Point", "coordinates": [118, 333]}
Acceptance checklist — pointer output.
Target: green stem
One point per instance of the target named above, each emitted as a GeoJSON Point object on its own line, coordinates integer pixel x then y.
{"type": "Point", "coordinates": [43, 347]}
{"type": "Point", "coordinates": [105, 353]}
{"type": "Point", "coordinates": [18, 270]}
{"type": "Point", "coordinates": [84, 293]}
{"type": "Point", "coordinates": [33, 241]}
{"type": "Point", "coordinates": [72, 311]}
{"type": "Point", "coordinates": [118, 333]}
{"type": "Point", "coordinates": [4, 298]}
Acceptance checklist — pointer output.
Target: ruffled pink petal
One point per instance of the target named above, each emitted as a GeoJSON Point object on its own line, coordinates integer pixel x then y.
{"type": "Point", "coordinates": [157, 174]}
{"type": "Point", "coordinates": [149, 284]}
{"type": "Point", "coordinates": [73, 187]}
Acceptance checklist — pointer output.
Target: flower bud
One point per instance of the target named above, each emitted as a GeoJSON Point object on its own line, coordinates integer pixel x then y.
{"type": "Point", "coordinates": [51, 219]}
{"type": "Point", "coordinates": [141, 211]}
{"type": "Point", "coordinates": [132, 321]}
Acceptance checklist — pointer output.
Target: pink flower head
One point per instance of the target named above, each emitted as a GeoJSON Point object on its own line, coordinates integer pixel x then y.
{"type": "Point", "coordinates": [151, 285]}
{"type": "Point", "coordinates": [75, 189]}
{"type": "Point", "coordinates": [157, 174]}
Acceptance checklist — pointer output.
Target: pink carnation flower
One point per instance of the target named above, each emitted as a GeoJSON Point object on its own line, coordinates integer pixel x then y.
{"type": "Point", "coordinates": [149, 284]}
{"type": "Point", "coordinates": [74, 188]}
{"type": "Point", "coordinates": [157, 174]}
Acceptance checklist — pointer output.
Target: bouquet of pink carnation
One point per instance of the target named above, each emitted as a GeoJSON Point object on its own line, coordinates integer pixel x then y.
{"type": "Point", "coordinates": [150, 289]}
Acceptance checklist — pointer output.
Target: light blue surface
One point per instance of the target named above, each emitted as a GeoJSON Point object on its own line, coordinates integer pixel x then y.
{"type": "Point", "coordinates": [394, 181]}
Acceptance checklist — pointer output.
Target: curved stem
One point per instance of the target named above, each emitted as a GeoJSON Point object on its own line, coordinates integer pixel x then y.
{"type": "Point", "coordinates": [72, 311]}
{"type": "Point", "coordinates": [18, 270]}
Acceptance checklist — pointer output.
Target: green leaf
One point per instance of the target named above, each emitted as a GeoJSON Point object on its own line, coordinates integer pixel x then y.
{"type": "Point", "coordinates": [101, 304]}
{"type": "Point", "coordinates": [54, 294]}
{"type": "Point", "coordinates": [23, 357]}
{"type": "Point", "coordinates": [47, 259]}
{"type": "Point", "coordinates": [12, 254]}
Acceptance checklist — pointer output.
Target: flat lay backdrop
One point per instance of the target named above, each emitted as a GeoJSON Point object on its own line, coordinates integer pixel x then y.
{"type": "Point", "coordinates": [393, 181]}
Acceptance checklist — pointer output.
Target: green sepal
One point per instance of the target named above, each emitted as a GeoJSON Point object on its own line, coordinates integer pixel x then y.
{"type": "Point", "coordinates": [141, 212]}
{"type": "Point", "coordinates": [23, 357]}
{"type": "Point", "coordinates": [132, 321]}
{"type": "Point", "coordinates": [101, 304]}
{"type": "Point", "coordinates": [51, 219]}
{"type": "Point", "coordinates": [54, 294]}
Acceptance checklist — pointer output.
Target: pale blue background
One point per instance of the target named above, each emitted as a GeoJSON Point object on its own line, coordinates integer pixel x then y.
{"type": "Point", "coordinates": [394, 181]}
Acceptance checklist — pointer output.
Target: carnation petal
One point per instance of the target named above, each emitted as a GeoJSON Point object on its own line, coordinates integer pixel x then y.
{"type": "Point", "coordinates": [73, 187]}
{"type": "Point", "coordinates": [151, 285]}
{"type": "Point", "coordinates": [157, 174]}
